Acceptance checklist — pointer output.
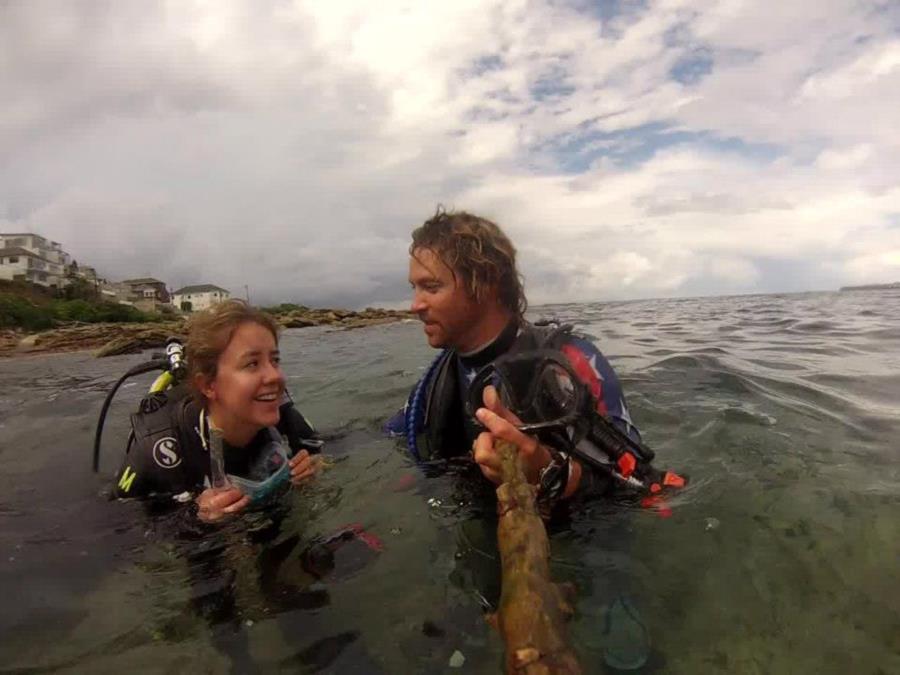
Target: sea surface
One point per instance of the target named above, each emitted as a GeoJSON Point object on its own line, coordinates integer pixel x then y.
{"type": "Point", "coordinates": [782, 556]}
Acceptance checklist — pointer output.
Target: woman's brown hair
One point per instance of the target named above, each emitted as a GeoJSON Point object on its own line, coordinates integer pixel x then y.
{"type": "Point", "coordinates": [477, 250]}
{"type": "Point", "coordinates": [210, 331]}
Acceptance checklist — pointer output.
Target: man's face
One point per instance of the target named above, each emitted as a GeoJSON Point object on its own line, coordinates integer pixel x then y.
{"type": "Point", "coordinates": [451, 316]}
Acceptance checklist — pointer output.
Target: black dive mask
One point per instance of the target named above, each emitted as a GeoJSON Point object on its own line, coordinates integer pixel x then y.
{"type": "Point", "coordinates": [541, 389]}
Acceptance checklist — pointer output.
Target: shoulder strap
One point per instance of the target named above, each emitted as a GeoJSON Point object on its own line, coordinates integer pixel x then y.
{"type": "Point", "coordinates": [420, 403]}
{"type": "Point", "coordinates": [541, 335]}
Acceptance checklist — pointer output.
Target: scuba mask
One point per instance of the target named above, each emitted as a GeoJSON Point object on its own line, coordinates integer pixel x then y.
{"type": "Point", "coordinates": [268, 476]}
{"type": "Point", "coordinates": [551, 401]}
{"type": "Point", "coordinates": [542, 390]}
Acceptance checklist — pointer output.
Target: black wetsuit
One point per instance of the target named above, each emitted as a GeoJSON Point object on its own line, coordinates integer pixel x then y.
{"type": "Point", "coordinates": [167, 455]}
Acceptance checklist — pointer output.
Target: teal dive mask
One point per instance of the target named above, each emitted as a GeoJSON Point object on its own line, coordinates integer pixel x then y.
{"type": "Point", "coordinates": [269, 476]}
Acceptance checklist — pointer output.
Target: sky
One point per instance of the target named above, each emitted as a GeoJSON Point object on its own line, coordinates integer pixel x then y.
{"type": "Point", "coordinates": [630, 149]}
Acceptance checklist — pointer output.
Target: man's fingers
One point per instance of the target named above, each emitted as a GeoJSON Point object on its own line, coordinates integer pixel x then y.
{"type": "Point", "coordinates": [493, 403]}
{"type": "Point", "coordinates": [503, 429]}
{"type": "Point", "coordinates": [484, 453]}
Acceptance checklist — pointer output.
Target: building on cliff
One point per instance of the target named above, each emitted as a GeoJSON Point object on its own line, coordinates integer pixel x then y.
{"type": "Point", "coordinates": [195, 298]}
{"type": "Point", "coordinates": [30, 257]}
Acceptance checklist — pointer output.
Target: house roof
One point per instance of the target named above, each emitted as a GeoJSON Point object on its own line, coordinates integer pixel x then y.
{"type": "Point", "coordinates": [143, 280]}
{"type": "Point", "coordinates": [20, 234]}
{"type": "Point", "coordinates": [201, 288]}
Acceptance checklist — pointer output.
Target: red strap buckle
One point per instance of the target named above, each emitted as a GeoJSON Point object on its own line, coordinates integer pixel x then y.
{"type": "Point", "coordinates": [673, 480]}
{"type": "Point", "coordinates": [627, 464]}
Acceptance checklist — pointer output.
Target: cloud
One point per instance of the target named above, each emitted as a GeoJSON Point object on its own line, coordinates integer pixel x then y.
{"type": "Point", "coordinates": [629, 149]}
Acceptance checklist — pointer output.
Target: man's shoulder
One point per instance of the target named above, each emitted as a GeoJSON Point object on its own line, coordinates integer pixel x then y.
{"type": "Point", "coordinates": [591, 365]}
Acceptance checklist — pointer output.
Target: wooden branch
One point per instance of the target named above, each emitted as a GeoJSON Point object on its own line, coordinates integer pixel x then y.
{"type": "Point", "coordinates": [533, 610]}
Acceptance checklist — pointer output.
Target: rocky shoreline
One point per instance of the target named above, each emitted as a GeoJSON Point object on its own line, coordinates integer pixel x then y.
{"type": "Point", "coordinates": [111, 339]}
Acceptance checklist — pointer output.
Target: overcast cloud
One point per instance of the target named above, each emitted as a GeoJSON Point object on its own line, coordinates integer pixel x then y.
{"type": "Point", "coordinates": [630, 149]}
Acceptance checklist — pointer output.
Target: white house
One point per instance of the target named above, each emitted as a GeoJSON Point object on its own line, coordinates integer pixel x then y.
{"type": "Point", "coordinates": [31, 257]}
{"type": "Point", "coordinates": [195, 298]}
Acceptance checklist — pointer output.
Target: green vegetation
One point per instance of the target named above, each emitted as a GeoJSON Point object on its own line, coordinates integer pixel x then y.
{"type": "Point", "coordinates": [35, 313]}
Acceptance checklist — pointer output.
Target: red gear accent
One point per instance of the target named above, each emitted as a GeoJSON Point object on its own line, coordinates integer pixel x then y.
{"type": "Point", "coordinates": [627, 464]}
{"type": "Point", "coordinates": [673, 480]}
{"type": "Point", "coordinates": [586, 374]}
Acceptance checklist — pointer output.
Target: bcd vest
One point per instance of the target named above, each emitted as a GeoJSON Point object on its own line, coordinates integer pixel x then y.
{"type": "Point", "coordinates": [436, 406]}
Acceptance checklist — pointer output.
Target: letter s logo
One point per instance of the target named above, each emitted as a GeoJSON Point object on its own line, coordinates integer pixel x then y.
{"type": "Point", "coordinates": [164, 453]}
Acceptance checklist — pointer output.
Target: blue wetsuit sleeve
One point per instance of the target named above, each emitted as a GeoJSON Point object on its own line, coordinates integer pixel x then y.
{"type": "Point", "coordinates": [396, 424]}
{"type": "Point", "coordinates": [593, 368]}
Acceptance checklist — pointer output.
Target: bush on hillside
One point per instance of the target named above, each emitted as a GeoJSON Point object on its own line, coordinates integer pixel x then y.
{"type": "Point", "coordinates": [100, 312]}
{"type": "Point", "coordinates": [16, 312]}
{"type": "Point", "coordinates": [79, 289]}
{"type": "Point", "coordinates": [19, 312]}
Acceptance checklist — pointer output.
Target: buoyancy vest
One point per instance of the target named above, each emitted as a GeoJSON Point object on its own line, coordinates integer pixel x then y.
{"type": "Point", "coordinates": [435, 409]}
{"type": "Point", "coordinates": [436, 406]}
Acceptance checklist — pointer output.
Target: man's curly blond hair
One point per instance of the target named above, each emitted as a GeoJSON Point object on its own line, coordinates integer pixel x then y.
{"type": "Point", "coordinates": [478, 252]}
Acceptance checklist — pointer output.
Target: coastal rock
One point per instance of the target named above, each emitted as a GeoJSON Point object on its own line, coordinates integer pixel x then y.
{"type": "Point", "coordinates": [302, 317]}
{"type": "Point", "coordinates": [149, 338]}
{"type": "Point", "coordinates": [109, 339]}
{"type": "Point", "coordinates": [9, 340]}
{"type": "Point", "coordinates": [297, 322]}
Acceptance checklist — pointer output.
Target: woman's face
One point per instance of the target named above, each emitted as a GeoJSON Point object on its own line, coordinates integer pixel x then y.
{"type": "Point", "coordinates": [245, 393]}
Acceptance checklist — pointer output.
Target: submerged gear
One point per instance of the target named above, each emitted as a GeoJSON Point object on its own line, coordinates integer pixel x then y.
{"type": "Point", "coordinates": [342, 553]}
{"type": "Point", "coordinates": [626, 642]}
{"type": "Point", "coordinates": [539, 388]}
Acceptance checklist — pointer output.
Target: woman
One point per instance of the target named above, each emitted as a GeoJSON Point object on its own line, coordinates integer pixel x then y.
{"type": "Point", "coordinates": [239, 393]}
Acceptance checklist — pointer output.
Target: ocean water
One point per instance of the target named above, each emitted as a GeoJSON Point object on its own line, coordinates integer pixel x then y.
{"type": "Point", "coordinates": [781, 556]}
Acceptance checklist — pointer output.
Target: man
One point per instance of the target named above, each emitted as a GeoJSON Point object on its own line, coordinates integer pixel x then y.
{"type": "Point", "coordinates": [468, 294]}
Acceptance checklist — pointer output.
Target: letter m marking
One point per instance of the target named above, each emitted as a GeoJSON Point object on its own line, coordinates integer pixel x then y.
{"type": "Point", "coordinates": [127, 479]}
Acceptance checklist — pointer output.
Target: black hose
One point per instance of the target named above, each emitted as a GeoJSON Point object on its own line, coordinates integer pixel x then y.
{"type": "Point", "coordinates": [156, 364]}
{"type": "Point", "coordinates": [610, 438]}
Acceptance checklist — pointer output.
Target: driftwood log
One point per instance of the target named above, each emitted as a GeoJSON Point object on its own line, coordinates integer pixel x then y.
{"type": "Point", "coordinates": [533, 610]}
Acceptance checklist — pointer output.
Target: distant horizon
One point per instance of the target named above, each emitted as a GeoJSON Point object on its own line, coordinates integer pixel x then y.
{"type": "Point", "coordinates": [400, 305]}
